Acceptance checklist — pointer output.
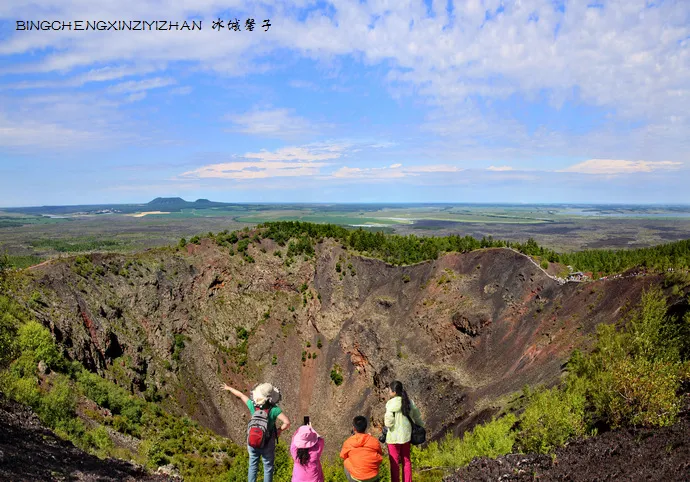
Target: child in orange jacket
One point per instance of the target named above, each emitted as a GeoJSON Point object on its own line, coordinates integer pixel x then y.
{"type": "Point", "coordinates": [362, 454]}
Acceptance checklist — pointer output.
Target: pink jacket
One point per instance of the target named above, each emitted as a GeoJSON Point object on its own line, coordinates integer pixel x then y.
{"type": "Point", "coordinates": [306, 437]}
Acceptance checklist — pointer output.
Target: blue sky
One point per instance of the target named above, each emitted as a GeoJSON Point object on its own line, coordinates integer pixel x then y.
{"type": "Point", "coordinates": [348, 101]}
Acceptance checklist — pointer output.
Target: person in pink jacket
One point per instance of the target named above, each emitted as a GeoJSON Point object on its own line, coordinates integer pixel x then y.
{"type": "Point", "coordinates": [306, 449]}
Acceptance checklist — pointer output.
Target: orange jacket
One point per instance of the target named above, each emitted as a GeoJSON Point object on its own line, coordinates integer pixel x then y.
{"type": "Point", "coordinates": [363, 455]}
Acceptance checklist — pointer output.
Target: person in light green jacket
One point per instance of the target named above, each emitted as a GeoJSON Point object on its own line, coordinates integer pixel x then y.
{"type": "Point", "coordinates": [399, 410]}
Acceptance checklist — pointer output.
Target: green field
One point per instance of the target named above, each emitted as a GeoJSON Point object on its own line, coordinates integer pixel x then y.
{"type": "Point", "coordinates": [28, 235]}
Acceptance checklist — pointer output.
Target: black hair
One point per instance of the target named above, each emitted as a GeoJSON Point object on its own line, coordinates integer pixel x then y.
{"type": "Point", "coordinates": [360, 424]}
{"type": "Point", "coordinates": [303, 456]}
{"type": "Point", "coordinates": [397, 387]}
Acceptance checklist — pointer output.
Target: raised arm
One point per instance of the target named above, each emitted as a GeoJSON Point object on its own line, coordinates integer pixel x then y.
{"type": "Point", "coordinates": [319, 447]}
{"type": "Point", "coordinates": [285, 423]}
{"type": "Point", "coordinates": [237, 393]}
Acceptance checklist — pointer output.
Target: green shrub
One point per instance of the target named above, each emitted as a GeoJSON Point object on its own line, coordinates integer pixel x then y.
{"type": "Point", "coordinates": [550, 419]}
{"type": "Point", "coordinates": [9, 319]}
{"type": "Point", "coordinates": [99, 440]}
{"type": "Point", "coordinates": [94, 387]}
{"type": "Point", "coordinates": [36, 339]}
{"type": "Point", "coordinates": [178, 346]}
{"type": "Point", "coordinates": [5, 265]}
{"type": "Point", "coordinates": [59, 403]}
{"type": "Point", "coordinates": [336, 375]}
{"type": "Point", "coordinates": [638, 392]}
{"type": "Point", "coordinates": [110, 396]}
{"type": "Point", "coordinates": [74, 429]}
{"type": "Point", "coordinates": [24, 366]}
{"type": "Point", "coordinates": [304, 246]}
{"type": "Point", "coordinates": [23, 390]}
{"type": "Point", "coordinates": [242, 333]}
{"type": "Point", "coordinates": [632, 376]}
{"type": "Point", "coordinates": [242, 246]}
{"type": "Point", "coordinates": [489, 440]}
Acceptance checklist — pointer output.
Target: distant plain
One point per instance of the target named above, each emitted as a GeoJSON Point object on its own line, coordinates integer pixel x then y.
{"type": "Point", "coordinates": [33, 234]}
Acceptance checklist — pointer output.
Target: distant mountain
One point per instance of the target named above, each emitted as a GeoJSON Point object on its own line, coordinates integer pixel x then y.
{"type": "Point", "coordinates": [167, 201]}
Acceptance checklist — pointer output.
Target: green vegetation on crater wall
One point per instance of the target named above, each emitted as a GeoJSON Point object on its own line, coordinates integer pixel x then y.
{"type": "Point", "coordinates": [55, 394]}
{"type": "Point", "coordinates": [633, 377]}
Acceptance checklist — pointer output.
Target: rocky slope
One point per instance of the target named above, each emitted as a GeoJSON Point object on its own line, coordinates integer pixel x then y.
{"type": "Point", "coordinates": [30, 452]}
{"type": "Point", "coordinates": [462, 332]}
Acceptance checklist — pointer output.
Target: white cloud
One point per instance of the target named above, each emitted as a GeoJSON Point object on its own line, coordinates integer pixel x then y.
{"type": "Point", "coordinates": [70, 123]}
{"type": "Point", "coordinates": [499, 168]}
{"type": "Point", "coordinates": [369, 173]}
{"type": "Point", "coordinates": [394, 171]}
{"type": "Point", "coordinates": [103, 74]}
{"type": "Point", "coordinates": [28, 133]}
{"type": "Point", "coordinates": [624, 55]}
{"type": "Point", "coordinates": [275, 123]}
{"type": "Point", "coordinates": [134, 86]}
{"type": "Point", "coordinates": [286, 162]}
{"type": "Point", "coordinates": [186, 90]}
{"type": "Point", "coordinates": [308, 153]}
{"type": "Point", "coordinates": [615, 166]}
{"type": "Point", "coordinates": [135, 97]}
{"type": "Point", "coordinates": [433, 168]}
{"type": "Point", "coordinates": [255, 170]}
{"type": "Point", "coordinates": [628, 59]}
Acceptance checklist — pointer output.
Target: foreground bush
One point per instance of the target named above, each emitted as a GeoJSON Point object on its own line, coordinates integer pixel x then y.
{"type": "Point", "coordinates": [550, 419]}
{"type": "Point", "coordinates": [633, 375]}
{"type": "Point", "coordinates": [490, 440]}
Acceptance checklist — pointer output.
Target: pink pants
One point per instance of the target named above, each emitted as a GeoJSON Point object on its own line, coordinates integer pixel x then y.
{"type": "Point", "coordinates": [399, 454]}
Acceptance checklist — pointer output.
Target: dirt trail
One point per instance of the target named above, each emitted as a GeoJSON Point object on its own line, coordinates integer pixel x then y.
{"type": "Point", "coordinates": [40, 264]}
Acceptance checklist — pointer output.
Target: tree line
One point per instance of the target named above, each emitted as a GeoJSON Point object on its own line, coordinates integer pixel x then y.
{"type": "Point", "coordinates": [402, 250]}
